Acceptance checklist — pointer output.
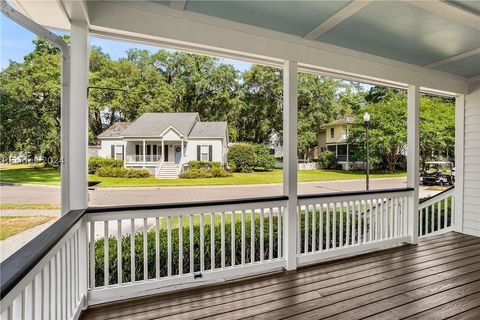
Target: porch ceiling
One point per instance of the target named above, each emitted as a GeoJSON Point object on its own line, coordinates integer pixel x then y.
{"type": "Point", "coordinates": [435, 38]}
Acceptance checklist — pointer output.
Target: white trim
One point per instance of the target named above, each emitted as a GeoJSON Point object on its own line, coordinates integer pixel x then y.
{"type": "Point", "coordinates": [449, 11]}
{"type": "Point", "coordinates": [189, 31]}
{"type": "Point", "coordinates": [474, 78]}
{"type": "Point", "coordinates": [175, 283]}
{"type": "Point", "coordinates": [459, 160]}
{"type": "Point", "coordinates": [290, 144]}
{"type": "Point", "coordinates": [342, 253]}
{"type": "Point", "coordinates": [342, 15]}
{"type": "Point", "coordinates": [413, 158]}
{"type": "Point", "coordinates": [454, 58]}
{"type": "Point", "coordinates": [174, 129]}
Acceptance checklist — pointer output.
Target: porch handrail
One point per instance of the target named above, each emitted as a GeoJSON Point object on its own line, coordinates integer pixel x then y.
{"type": "Point", "coordinates": [48, 276]}
{"type": "Point", "coordinates": [19, 264]}
{"type": "Point", "coordinates": [430, 200]}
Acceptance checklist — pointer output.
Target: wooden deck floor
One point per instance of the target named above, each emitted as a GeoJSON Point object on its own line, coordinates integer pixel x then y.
{"type": "Point", "coordinates": [438, 279]}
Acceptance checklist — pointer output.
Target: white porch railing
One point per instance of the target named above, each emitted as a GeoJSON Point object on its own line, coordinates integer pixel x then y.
{"type": "Point", "coordinates": [157, 248]}
{"type": "Point", "coordinates": [139, 158]}
{"type": "Point", "coordinates": [332, 226]}
{"type": "Point", "coordinates": [181, 246]}
{"type": "Point", "coordinates": [437, 214]}
{"type": "Point", "coordinates": [55, 286]}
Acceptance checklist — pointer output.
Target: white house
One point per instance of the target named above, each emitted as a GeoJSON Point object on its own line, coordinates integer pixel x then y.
{"type": "Point", "coordinates": [163, 142]}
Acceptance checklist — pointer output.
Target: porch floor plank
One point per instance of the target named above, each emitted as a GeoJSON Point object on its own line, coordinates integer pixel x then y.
{"type": "Point", "coordinates": [437, 279]}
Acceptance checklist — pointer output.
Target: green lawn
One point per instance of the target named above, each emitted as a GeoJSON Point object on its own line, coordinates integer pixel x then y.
{"type": "Point", "coordinates": [32, 174]}
{"type": "Point", "coordinates": [51, 176]}
{"type": "Point", "coordinates": [11, 225]}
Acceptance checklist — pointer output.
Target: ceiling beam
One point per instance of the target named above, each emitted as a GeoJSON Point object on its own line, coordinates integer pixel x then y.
{"type": "Point", "coordinates": [449, 11]}
{"type": "Point", "coordinates": [178, 4]}
{"type": "Point", "coordinates": [75, 10]}
{"type": "Point", "coordinates": [453, 58]}
{"type": "Point", "coordinates": [337, 18]}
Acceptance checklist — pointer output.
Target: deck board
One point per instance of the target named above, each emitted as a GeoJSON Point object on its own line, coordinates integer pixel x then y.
{"type": "Point", "coordinates": [437, 279]}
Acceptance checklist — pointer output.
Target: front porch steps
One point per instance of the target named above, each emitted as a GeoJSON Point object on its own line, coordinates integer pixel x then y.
{"type": "Point", "coordinates": [167, 171]}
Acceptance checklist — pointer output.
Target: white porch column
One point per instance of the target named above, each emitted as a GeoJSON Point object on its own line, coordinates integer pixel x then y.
{"type": "Point", "coordinates": [144, 155]}
{"type": "Point", "coordinates": [459, 160]}
{"type": "Point", "coordinates": [413, 158]}
{"type": "Point", "coordinates": [290, 161]}
{"type": "Point", "coordinates": [163, 151]}
{"type": "Point", "coordinates": [76, 137]}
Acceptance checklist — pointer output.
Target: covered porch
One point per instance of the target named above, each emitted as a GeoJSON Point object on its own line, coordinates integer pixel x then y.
{"type": "Point", "coordinates": [403, 257]}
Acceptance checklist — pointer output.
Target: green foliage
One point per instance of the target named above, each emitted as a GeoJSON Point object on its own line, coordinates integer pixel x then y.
{"type": "Point", "coordinates": [120, 172]}
{"type": "Point", "coordinates": [327, 160]}
{"type": "Point", "coordinates": [263, 158]}
{"type": "Point", "coordinates": [163, 254]}
{"type": "Point", "coordinates": [94, 163]}
{"type": "Point", "coordinates": [205, 172]}
{"type": "Point", "coordinates": [194, 164]}
{"type": "Point", "coordinates": [243, 156]}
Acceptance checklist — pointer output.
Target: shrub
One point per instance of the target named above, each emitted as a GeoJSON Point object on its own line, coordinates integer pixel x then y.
{"type": "Point", "coordinates": [263, 158]}
{"type": "Point", "coordinates": [327, 160]}
{"type": "Point", "coordinates": [115, 172]}
{"type": "Point", "coordinates": [243, 156]}
{"type": "Point", "coordinates": [94, 163]}
{"type": "Point", "coordinates": [203, 164]}
{"type": "Point", "coordinates": [215, 172]}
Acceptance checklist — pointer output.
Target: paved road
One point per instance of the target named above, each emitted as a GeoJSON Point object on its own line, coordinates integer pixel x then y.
{"type": "Point", "coordinates": [142, 195]}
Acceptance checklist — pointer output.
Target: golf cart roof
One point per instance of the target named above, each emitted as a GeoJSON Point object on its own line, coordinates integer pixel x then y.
{"type": "Point", "coordinates": [438, 162]}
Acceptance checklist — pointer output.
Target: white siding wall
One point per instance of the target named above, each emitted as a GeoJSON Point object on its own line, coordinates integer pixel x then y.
{"type": "Point", "coordinates": [471, 198]}
{"type": "Point", "coordinates": [218, 149]}
{"type": "Point", "coordinates": [106, 145]}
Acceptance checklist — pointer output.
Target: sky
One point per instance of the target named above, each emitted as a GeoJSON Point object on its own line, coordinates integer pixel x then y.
{"type": "Point", "coordinates": [16, 42]}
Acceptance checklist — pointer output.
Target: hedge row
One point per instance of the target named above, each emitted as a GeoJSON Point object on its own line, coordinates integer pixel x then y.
{"type": "Point", "coordinates": [214, 172]}
{"type": "Point", "coordinates": [116, 172]}
{"type": "Point", "coordinates": [94, 163]}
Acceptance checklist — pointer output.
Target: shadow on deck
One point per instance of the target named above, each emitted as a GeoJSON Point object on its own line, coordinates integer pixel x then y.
{"type": "Point", "coordinates": [438, 279]}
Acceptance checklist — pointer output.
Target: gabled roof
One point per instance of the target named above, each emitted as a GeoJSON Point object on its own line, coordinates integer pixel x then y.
{"type": "Point", "coordinates": [209, 130]}
{"type": "Point", "coordinates": [155, 123]}
{"type": "Point", "coordinates": [343, 121]}
{"type": "Point", "coordinates": [115, 130]}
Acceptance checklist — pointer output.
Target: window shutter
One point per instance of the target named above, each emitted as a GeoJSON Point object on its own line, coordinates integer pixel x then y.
{"type": "Point", "coordinates": [123, 152]}
{"type": "Point", "coordinates": [210, 153]}
{"type": "Point", "coordinates": [198, 152]}
{"type": "Point", "coordinates": [112, 151]}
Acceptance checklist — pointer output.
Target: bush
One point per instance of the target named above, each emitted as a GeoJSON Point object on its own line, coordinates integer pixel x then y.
{"type": "Point", "coordinates": [203, 164]}
{"type": "Point", "coordinates": [243, 156]}
{"type": "Point", "coordinates": [215, 172]}
{"type": "Point", "coordinates": [327, 160]}
{"type": "Point", "coordinates": [263, 158]}
{"type": "Point", "coordinates": [115, 172]}
{"type": "Point", "coordinates": [94, 163]}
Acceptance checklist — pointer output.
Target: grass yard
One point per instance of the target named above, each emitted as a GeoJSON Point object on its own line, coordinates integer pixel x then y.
{"type": "Point", "coordinates": [11, 225]}
{"type": "Point", "coordinates": [30, 174]}
{"type": "Point", "coordinates": [29, 206]}
{"type": "Point", "coordinates": [39, 175]}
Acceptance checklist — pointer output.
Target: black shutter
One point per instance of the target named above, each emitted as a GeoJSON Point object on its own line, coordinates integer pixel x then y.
{"type": "Point", "coordinates": [210, 153]}
{"type": "Point", "coordinates": [123, 152]}
{"type": "Point", "coordinates": [112, 151]}
{"type": "Point", "coordinates": [198, 153]}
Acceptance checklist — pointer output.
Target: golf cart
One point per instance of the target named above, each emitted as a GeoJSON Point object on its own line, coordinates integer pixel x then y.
{"type": "Point", "coordinates": [438, 173]}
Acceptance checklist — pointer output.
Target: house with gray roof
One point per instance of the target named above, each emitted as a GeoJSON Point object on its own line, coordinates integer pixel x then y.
{"type": "Point", "coordinates": [164, 142]}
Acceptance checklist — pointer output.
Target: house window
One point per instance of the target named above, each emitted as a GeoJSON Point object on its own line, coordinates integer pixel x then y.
{"type": "Point", "coordinates": [204, 153]}
{"type": "Point", "coordinates": [117, 152]}
{"type": "Point", "coordinates": [332, 132]}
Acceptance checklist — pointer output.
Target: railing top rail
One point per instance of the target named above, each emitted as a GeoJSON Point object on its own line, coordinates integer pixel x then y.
{"type": "Point", "coordinates": [439, 196]}
{"type": "Point", "coordinates": [19, 264]}
{"type": "Point", "coordinates": [179, 205]}
{"type": "Point", "coordinates": [353, 193]}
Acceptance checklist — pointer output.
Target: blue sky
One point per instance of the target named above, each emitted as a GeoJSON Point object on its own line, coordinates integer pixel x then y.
{"type": "Point", "coordinates": [16, 42]}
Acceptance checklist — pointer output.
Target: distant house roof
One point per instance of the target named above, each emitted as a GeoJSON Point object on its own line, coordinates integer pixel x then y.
{"type": "Point", "coordinates": [155, 123]}
{"type": "Point", "coordinates": [343, 121]}
{"type": "Point", "coordinates": [115, 130]}
{"type": "Point", "coordinates": [209, 130]}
